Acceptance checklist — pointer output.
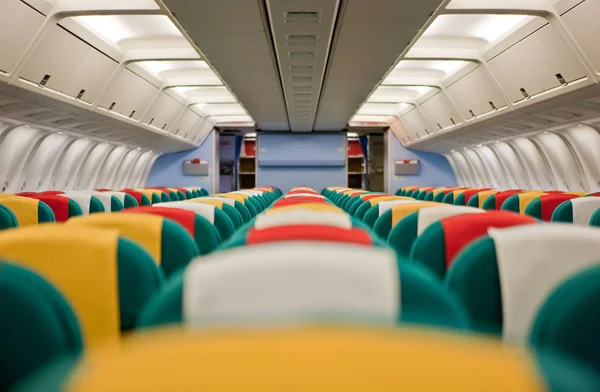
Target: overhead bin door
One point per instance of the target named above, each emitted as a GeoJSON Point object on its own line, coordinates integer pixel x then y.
{"type": "Point", "coordinates": [416, 124]}
{"type": "Point", "coordinates": [129, 95]}
{"type": "Point", "coordinates": [64, 63]}
{"type": "Point", "coordinates": [538, 63]}
{"type": "Point", "coordinates": [440, 113]}
{"type": "Point", "coordinates": [582, 22]}
{"type": "Point", "coordinates": [476, 94]}
{"type": "Point", "coordinates": [18, 25]}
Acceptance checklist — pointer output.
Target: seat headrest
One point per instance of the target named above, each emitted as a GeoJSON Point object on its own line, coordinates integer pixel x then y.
{"type": "Point", "coordinates": [427, 216]}
{"type": "Point", "coordinates": [292, 281]}
{"type": "Point", "coordinates": [307, 232]}
{"type": "Point", "coordinates": [583, 209]}
{"type": "Point", "coordinates": [310, 206]}
{"type": "Point", "coordinates": [532, 261]}
{"type": "Point", "coordinates": [311, 358]}
{"type": "Point", "coordinates": [301, 216]}
{"type": "Point", "coordinates": [81, 263]}
{"type": "Point", "coordinates": [207, 211]}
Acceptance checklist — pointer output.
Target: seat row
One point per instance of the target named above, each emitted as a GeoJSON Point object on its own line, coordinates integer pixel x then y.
{"type": "Point", "coordinates": [106, 266]}
{"type": "Point", "coordinates": [29, 208]}
{"type": "Point", "coordinates": [556, 206]}
{"type": "Point", "coordinates": [502, 264]}
{"type": "Point", "coordinates": [302, 260]}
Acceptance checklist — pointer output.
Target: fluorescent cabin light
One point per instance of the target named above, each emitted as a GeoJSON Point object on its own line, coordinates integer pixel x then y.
{"type": "Point", "coordinates": [369, 119]}
{"type": "Point", "coordinates": [157, 67]}
{"type": "Point", "coordinates": [446, 66]}
{"type": "Point", "coordinates": [216, 94]}
{"type": "Point", "coordinates": [116, 28]}
{"type": "Point", "coordinates": [484, 27]}
{"type": "Point", "coordinates": [389, 109]}
{"type": "Point", "coordinates": [234, 109]}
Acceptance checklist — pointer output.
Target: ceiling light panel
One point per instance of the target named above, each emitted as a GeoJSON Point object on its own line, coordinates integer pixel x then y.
{"type": "Point", "coordinates": [374, 119]}
{"type": "Point", "coordinates": [448, 66]}
{"type": "Point", "coordinates": [468, 31]}
{"type": "Point", "coordinates": [157, 68]}
{"type": "Point", "coordinates": [233, 109]}
{"type": "Point", "coordinates": [423, 72]}
{"type": "Point", "coordinates": [205, 94]}
{"type": "Point", "coordinates": [244, 119]}
{"type": "Point", "coordinates": [390, 109]}
{"type": "Point", "coordinates": [399, 93]}
{"type": "Point", "coordinates": [118, 28]}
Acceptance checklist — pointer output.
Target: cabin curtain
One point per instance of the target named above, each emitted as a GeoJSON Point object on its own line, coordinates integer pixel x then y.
{"type": "Point", "coordinates": [364, 145]}
{"type": "Point", "coordinates": [239, 142]}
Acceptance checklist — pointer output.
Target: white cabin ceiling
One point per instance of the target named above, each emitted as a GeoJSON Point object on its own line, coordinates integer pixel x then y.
{"type": "Point", "coordinates": [234, 36]}
{"type": "Point", "coordinates": [179, 67]}
{"type": "Point", "coordinates": [302, 65]}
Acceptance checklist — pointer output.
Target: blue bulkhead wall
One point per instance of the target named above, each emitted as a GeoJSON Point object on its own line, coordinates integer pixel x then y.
{"type": "Point", "coordinates": [435, 171]}
{"type": "Point", "coordinates": [168, 169]}
{"type": "Point", "coordinates": [313, 159]}
{"type": "Point", "coordinates": [287, 159]}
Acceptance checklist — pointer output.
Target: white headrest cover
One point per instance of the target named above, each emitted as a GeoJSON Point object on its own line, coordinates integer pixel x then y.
{"type": "Point", "coordinates": [204, 210]}
{"type": "Point", "coordinates": [428, 216]}
{"type": "Point", "coordinates": [105, 198]}
{"type": "Point", "coordinates": [249, 192]}
{"type": "Point", "coordinates": [287, 282]}
{"type": "Point", "coordinates": [224, 200]}
{"type": "Point", "coordinates": [387, 205]}
{"type": "Point", "coordinates": [532, 261]}
{"type": "Point", "coordinates": [83, 199]}
{"type": "Point", "coordinates": [118, 195]}
{"type": "Point", "coordinates": [305, 195]}
{"type": "Point", "coordinates": [583, 209]}
{"type": "Point", "coordinates": [301, 216]}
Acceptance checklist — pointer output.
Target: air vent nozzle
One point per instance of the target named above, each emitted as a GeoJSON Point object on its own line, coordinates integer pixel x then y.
{"type": "Point", "coordinates": [296, 69]}
{"type": "Point", "coordinates": [306, 79]}
{"type": "Point", "coordinates": [298, 39]}
{"type": "Point", "coordinates": [302, 17]}
{"type": "Point", "coordinates": [301, 55]}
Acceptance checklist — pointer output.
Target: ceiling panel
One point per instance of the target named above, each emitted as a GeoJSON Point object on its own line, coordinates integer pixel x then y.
{"type": "Point", "coordinates": [302, 33]}
{"type": "Point", "coordinates": [372, 36]}
{"type": "Point", "coordinates": [232, 36]}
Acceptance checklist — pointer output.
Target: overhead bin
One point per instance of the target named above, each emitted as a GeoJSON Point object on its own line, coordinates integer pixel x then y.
{"type": "Point", "coordinates": [129, 95]}
{"type": "Point", "coordinates": [540, 62]}
{"type": "Point", "coordinates": [64, 63]}
{"type": "Point", "coordinates": [476, 95]}
{"type": "Point", "coordinates": [586, 33]}
{"type": "Point", "coordinates": [16, 16]}
{"type": "Point", "coordinates": [416, 124]}
{"type": "Point", "coordinates": [440, 112]}
{"type": "Point", "coordinates": [186, 124]}
{"type": "Point", "coordinates": [163, 112]}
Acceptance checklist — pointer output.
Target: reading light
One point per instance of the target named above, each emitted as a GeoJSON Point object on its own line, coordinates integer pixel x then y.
{"type": "Point", "coordinates": [352, 134]}
{"type": "Point", "coordinates": [480, 145]}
